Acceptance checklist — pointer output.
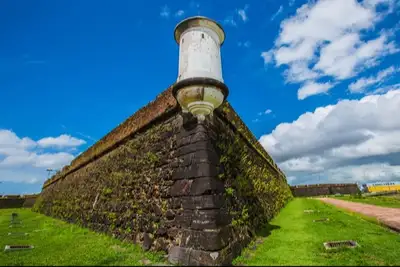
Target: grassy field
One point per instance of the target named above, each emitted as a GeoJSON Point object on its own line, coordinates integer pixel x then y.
{"type": "Point", "coordinates": [60, 243]}
{"type": "Point", "coordinates": [392, 201]}
{"type": "Point", "coordinates": [295, 239]}
{"type": "Point", "coordinates": [292, 238]}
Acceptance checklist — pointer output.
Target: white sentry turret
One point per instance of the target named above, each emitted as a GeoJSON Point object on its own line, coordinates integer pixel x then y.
{"type": "Point", "coordinates": [200, 87]}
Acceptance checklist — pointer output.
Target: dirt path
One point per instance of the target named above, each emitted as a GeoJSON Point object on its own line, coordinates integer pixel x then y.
{"type": "Point", "coordinates": [388, 216]}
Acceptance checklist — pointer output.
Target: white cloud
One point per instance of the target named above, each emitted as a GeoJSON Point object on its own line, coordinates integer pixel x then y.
{"type": "Point", "coordinates": [291, 2]}
{"type": "Point", "coordinates": [245, 44]}
{"type": "Point", "coordinates": [179, 13]}
{"type": "Point", "coordinates": [61, 141]}
{"type": "Point", "coordinates": [360, 85]}
{"type": "Point", "coordinates": [332, 38]}
{"type": "Point", "coordinates": [279, 11]}
{"type": "Point", "coordinates": [346, 56]}
{"type": "Point", "coordinates": [165, 12]}
{"type": "Point", "coordinates": [229, 21]}
{"type": "Point", "coordinates": [24, 160]}
{"type": "Point", "coordinates": [237, 14]}
{"type": "Point", "coordinates": [266, 112]}
{"type": "Point", "coordinates": [352, 140]}
{"type": "Point", "coordinates": [313, 88]}
{"type": "Point", "coordinates": [299, 72]}
{"type": "Point", "coordinates": [242, 13]}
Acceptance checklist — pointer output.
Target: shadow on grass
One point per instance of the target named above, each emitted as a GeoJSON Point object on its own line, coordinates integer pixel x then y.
{"type": "Point", "coordinates": [266, 229]}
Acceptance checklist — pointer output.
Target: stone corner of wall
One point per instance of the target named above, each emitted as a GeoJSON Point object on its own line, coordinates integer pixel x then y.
{"type": "Point", "coordinates": [163, 103]}
{"type": "Point", "coordinates": [204, 224]}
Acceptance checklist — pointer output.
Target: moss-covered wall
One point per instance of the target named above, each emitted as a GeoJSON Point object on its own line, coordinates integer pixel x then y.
{"type": "Point", "coordinates": [255, 188]}
{"type": "Point", "coordinates": [324, 189]}
{"type": "Point", "coordinates": [126, 192]}
{"type": "Point", "coordinates": [17, 201]}
{"type": "Point", "coordinates": [198, 191]}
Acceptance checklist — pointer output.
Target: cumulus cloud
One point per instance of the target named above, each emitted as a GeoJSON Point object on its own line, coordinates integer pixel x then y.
{"type": "Point", "coordinates": [351, 141]}
{"type": "Point", "coordinates": [313, 88]}
{"type": "Point", "coordinates": [61, 141]}
{"type": "Point", "coordinates": [24, 160]}
{"type": "Point", "coordinates": [328, 38]}
{"type": "Point", "coordinates": [361, 84]}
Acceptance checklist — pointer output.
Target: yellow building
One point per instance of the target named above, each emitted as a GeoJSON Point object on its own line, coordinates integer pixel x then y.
{"type": "Point", "coordinates": [385, 186]}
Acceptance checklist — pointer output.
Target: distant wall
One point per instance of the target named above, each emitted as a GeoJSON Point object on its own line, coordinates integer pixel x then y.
{"type": "Point", "coordinates": [17, 201]}
{"type": "Point", "coordinates": [323, 189]}
{"type": "Point", "coordinates": [197, 191]}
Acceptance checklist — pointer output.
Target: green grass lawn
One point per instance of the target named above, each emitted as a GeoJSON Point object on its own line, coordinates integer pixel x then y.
{"type": "Point", "coordinates": [60, 243]}
{"type": "Point", "coordinates": [293, 239]}
{"type": "Point", "coordinates": [296, 240]}
{"type": "Point", "coordinates": [391, 201]}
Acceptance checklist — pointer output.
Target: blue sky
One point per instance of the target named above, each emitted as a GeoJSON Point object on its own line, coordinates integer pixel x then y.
{"type": "Point", "coordinates": [317, 82]}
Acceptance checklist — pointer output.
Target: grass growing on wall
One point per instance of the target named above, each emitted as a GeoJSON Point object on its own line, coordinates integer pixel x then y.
{"type": "Point", "coordinates": [292, 238]}
{"type": "Point", "coordinates": [60, 243]}
{"type": "Point", "coordinates": [392, 201]}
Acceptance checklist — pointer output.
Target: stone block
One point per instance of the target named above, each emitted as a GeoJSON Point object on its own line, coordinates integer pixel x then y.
{"type": "Point", "coordinates": [206, 185]}
{"type": "Point", "coordinates": [181, 188]}
{"type": "Point", "coordinates": [147, 242]}
{"type": "Point", "coordinates": [193, 257]}
{"type": "Point", "coordinates": [203, 202]}
{"type": "Point", "coordinates": [187, 131]}
{"type": "Point", "coordinates": [202, 145]}
{"type": "Point", "coordinates": [209, 240]}
{"type": "Point", "coordinates": [196, 170]}
{"type": "Point", "coordinates": [209, 219]}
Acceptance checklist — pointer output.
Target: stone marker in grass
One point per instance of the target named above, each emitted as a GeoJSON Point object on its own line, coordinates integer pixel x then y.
{"type": "Point", "coordinates": [340, 244]}
{"type": "Point", "coordinates": [321, 220]}
{"type": "Point", "coordinates": [17, 247]}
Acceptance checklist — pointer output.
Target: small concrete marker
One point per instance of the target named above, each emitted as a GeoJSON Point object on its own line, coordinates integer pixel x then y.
{"type": "Point", "coordinates": [321, 220]}
{"type": "Point", "coordinates": [340, 244]}
{"type": "Point", "coordinates": [17, 247]}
